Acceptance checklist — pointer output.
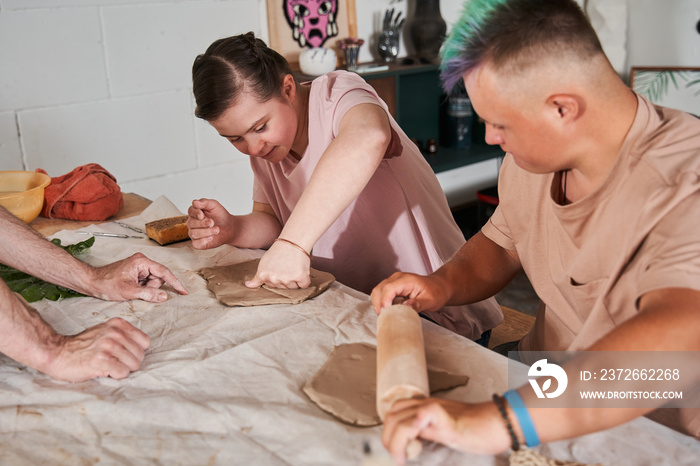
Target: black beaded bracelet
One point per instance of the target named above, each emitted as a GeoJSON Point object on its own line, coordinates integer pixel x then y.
{"type": "Point", "coordinates": [500, 404]}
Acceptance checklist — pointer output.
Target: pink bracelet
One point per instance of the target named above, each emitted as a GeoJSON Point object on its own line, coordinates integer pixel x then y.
{"type": "Point", "coordinates": [295, 245]}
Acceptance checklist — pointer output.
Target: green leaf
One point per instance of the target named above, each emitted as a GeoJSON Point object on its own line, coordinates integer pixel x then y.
{"type": "Point", "coordinates": [654, 85]}
{"type": "Point", "coordinates": [34, 289]}
{"type": "Point", "coordinates": [79, 249]}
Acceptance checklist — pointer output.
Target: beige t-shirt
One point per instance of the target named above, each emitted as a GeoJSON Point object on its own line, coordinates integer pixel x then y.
{"type": "Point", "coordinates": [592, 260]}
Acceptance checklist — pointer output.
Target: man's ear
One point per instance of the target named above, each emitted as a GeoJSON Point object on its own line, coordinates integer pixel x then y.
{"type": "Point", "coordinates": [568, 107]}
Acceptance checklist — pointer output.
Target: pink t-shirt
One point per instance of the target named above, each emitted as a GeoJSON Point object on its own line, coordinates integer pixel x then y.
{"type": "Point", "coordinates": [400, 221]}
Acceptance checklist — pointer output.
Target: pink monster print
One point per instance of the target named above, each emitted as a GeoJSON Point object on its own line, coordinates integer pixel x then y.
{"type": "Point", "coordinates": [312, 21]}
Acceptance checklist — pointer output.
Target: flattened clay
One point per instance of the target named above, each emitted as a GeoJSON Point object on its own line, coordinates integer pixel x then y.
{"type": "Point", "coordinates": [227, 282]}
{"type": "Point", "coordinates": [346, 385]}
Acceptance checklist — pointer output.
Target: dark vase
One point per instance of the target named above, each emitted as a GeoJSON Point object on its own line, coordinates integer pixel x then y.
{"type": "Point", "coordinates": [427, 29]}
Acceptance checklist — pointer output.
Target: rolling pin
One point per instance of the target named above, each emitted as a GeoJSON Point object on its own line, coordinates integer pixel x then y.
{"type": "Point", "coordinates": [401, 368]}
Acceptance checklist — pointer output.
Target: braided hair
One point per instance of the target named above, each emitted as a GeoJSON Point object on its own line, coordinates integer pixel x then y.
{"type": "Point", "coordinates": [232, 65]}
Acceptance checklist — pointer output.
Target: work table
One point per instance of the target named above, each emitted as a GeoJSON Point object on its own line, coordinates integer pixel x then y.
{"type": "Point", "coordinates": [223, 385]}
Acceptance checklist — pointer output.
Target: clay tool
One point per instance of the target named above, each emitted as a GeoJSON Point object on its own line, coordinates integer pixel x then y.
{"type": "Point", "coordinates": [401, 367]}
{"type": "Point", "coordinates": [111, 235]}
{"type": "Point", "coordinates": [137, 230]}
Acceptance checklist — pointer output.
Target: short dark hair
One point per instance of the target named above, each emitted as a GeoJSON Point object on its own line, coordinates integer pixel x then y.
{"type": "Point", "coordinates": [514, 34]}
{"type": "Point", "coordinates": [228, 66]}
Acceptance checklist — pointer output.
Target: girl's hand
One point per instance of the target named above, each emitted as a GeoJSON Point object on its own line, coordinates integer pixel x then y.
{"type": "Point", "coordinates": [209, 224]}
{"type": "Point", "coordinates": [282, 266]}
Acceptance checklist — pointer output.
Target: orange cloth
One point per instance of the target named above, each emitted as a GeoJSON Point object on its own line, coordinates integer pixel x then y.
{"type": "Point", "coordinates": [87, 193]}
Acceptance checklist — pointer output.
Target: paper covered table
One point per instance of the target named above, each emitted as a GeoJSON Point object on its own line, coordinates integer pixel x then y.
{"type": "Point", "coordinates": [224, 385]}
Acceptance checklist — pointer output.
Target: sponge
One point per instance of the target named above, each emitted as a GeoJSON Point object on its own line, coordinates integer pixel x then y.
{"type": "Point", "coordinates": [168, 230]}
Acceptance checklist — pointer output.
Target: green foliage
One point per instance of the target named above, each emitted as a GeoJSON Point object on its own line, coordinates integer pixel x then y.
{"type": "Point", "coordinates": [694, 82]}
{"type": "Point", "coordinates": [34, 289]}
{"type": "Point", "coordinates": [76, 249]}
{"type": "Point", "coordinates": [654, 85]}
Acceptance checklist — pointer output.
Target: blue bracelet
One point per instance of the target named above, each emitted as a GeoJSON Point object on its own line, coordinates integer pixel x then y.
{"type": "Point", "coordinates": [516, 402]}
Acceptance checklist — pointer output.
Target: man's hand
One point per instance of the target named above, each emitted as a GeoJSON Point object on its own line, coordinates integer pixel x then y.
{"type": "Point", "coordinates": [476, 428]}
{"type": "Point", "coordinates": [209, 224]}
{"type": "Point", "coordinates": [136, 277]}
{"type": "Point", "coordinates": [422, 293]}
{"type": "Point", "coordinates": [112, 349]}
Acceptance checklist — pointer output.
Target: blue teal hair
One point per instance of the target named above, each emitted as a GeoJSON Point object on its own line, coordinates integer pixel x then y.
{"type": "Point", "coordinates": [514, 34]}
{"type": "Point", "coordinates": [464, 46]}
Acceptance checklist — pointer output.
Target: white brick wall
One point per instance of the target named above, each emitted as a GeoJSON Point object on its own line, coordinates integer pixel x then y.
{"type": "Point", "coordinates": [135, 138]}
{"type": "Point", "coordinates": [51, 57]}
{"type": "Point", "coordinates": [10, 152]}
{"type": "Point", "coordinates": [108, 81]}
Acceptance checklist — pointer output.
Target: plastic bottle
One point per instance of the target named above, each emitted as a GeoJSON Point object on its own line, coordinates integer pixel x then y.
{"type": "Point", "coordinates": [459, 113]}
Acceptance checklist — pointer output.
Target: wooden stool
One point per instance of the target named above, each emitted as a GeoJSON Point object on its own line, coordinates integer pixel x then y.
{"type": "Point", "coordinates": [515, 326]}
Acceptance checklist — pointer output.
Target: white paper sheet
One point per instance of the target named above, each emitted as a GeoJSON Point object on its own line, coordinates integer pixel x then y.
{"type": "Point", "coordinates": [222, 386]}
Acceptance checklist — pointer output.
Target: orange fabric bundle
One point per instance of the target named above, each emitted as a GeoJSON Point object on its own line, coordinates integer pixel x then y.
{"type": "Point", "coordinates": [87, 193]}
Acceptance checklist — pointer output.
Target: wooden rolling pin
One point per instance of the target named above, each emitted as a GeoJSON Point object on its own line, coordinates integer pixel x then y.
{"type": "Point", "coordinates": [401, 368]}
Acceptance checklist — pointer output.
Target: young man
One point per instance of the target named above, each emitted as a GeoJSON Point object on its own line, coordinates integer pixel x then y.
{"type": "Point", "coordinates": [114, 348]}
{"type": "Point", "coordinates": [599, 204]}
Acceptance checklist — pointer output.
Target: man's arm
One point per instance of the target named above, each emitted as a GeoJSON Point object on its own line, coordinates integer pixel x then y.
{"type": "Point", "coordinates": [668, 321]}
{"type": "Point", "coordinates": [480, 269]}
{"type": "Point", "coordinates": [114, 348]}
{"type": "Point", "coordinates": [23, 248]}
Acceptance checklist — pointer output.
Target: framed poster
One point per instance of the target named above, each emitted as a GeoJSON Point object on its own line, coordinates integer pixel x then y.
{"type": "Point", "coordinates": [298, 24]}
{"type": "Point", "coordinates": [674, 87]}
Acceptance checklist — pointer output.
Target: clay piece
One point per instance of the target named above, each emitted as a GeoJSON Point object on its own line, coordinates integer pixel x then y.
{"type": "Point", "coordinates": [228, 285]}
{"type": "Point", "coordinates": [346, 384]}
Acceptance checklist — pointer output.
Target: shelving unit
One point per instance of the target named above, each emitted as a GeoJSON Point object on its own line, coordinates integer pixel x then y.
{"type": "Point", "coordinates": [414, 96]}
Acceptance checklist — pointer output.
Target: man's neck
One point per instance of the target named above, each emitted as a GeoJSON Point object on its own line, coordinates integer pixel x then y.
{"type": "Point", "coordinates": [607, 132]}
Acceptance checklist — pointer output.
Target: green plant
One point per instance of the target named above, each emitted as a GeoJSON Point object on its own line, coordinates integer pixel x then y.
{"type": "Point", "coordinates": [654, 85]}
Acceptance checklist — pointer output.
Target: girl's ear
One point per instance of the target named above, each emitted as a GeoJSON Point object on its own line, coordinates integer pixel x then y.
{"type": "Point", "coordinates": [289, 88]}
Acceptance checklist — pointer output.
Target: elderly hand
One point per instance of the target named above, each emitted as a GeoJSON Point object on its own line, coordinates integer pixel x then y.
{"type": "Point", "coordinates": [111, 349]}
{"type": "Point", "coordinates": [209, 224]}
{"type": "Point", "coordinates": [422, 293]}
{"type": "Point", "coordinates": [476, 428]}
{"type": "Point", "coordinates": [136, 277]}
{"type": "Point", "coordinates": [282, 266]}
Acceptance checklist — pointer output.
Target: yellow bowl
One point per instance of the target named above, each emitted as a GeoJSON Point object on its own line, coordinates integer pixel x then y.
{"type": "Point", "coordinates": [22, 193]}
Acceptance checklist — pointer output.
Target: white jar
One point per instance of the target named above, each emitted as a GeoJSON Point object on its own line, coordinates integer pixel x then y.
{"type": "Point", "coordinates": [317, 61]}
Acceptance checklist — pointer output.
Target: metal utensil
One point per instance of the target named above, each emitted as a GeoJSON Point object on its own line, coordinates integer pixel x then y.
{"type": "Point", "coordinates": [121, 224]}
{"type": "Point", "coordinates": [111, 235]}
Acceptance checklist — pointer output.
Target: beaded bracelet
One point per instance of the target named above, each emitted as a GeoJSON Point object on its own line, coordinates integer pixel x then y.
{"type": "Point", "coordinates": [500, 404]}
{"type": "Point", "coordinates": [516, 402]}
{"type": "Point", "coordinates": [295, 245]}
